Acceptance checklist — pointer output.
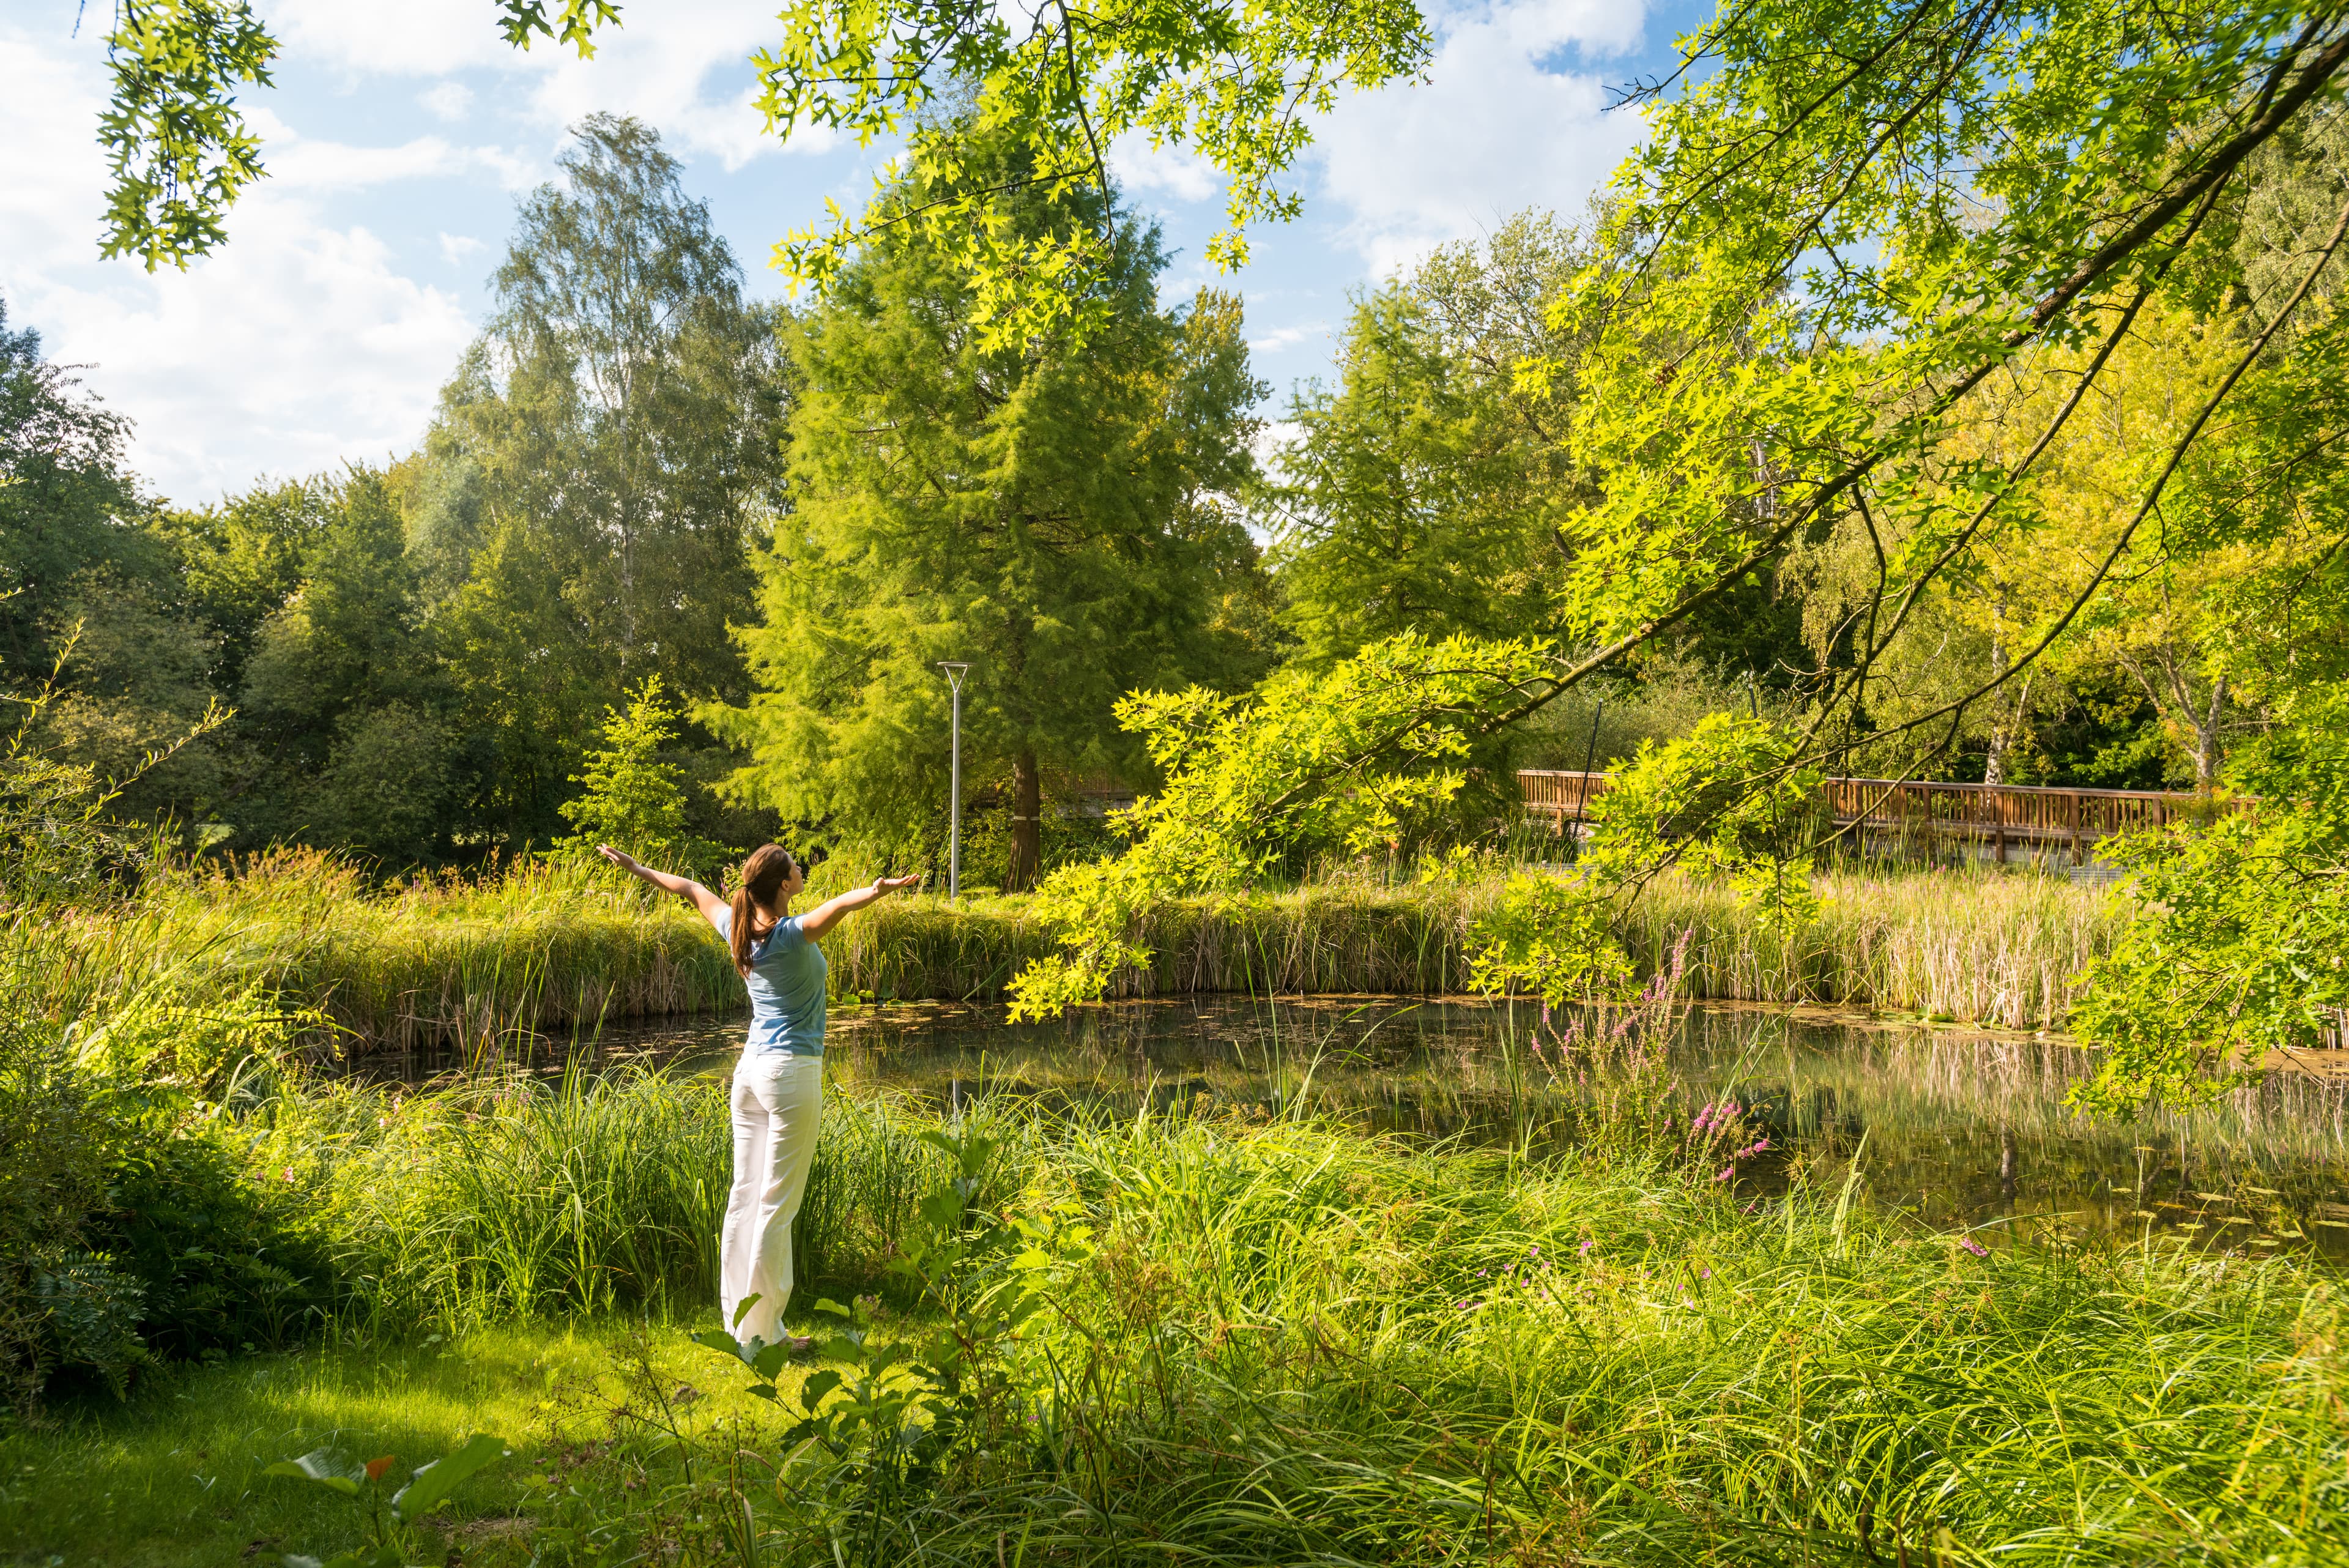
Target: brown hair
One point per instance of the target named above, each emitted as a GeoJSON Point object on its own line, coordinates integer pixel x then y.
{"type": "Point", "coordinates": [763, 875]}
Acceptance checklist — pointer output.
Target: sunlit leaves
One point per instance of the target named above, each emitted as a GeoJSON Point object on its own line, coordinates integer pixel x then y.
{"type": "Point", "coordinates": [1235, 83]}
{"type": "Point", "coordinates": [1340, 761]}
{"type": "Point", "coordinates": [575, 21]}
{"type": "Point", "coordinates": [1845, 218]}
{"type": "Point", "coordinates": [2242, 947]}
{"type": "Point", "coordinates": [1725, 803]}
{"type": "Point", "coordinates": [177, 146]}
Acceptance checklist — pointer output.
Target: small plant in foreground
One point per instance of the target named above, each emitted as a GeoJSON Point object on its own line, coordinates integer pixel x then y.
{"type": "Point", "coordinates": [388, 1525]}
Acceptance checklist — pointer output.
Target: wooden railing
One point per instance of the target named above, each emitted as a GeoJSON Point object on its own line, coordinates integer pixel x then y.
{"type": "Point", "coordinates": [1997, 815]}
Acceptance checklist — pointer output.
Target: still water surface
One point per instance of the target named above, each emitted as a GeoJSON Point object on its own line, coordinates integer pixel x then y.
{"type": "Point", "coordinates": [1956, 1127]}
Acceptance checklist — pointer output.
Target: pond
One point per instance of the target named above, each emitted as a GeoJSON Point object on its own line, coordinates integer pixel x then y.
{"type": "Point", "coordinates": [1956, 1126]}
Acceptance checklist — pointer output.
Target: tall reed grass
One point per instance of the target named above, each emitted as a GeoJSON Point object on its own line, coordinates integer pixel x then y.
{"type": "Point", "coordinates": [512, 1196]}
{"type": "Point", "coordinates": [485, 963]}
{"type": "Point", "coordinates": [531, 946]}
{"type": "Point", "coordinates": [1999, 948]}
{"type": "Point", "coordinates": [2003, 947]}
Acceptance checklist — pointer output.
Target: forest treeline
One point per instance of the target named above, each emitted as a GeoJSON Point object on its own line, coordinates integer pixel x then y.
{"type": "Point", "coordinates": [787, 518]}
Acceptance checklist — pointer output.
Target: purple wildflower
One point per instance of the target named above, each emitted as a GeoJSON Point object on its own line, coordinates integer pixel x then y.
{"type": "Point", "coordinates": [1976, 1248]}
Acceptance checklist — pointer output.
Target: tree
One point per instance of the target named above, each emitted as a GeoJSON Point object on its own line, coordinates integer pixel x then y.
{"type": "Point", "coordinates": [1245, 795]}
{"type": "Point", "coordinates": [599, 462]}
{"type": "Point", "coordinates": [634, 799]}
{"type": "Point", "coordinates": [67, 506]}
{"type": "Point", "coordinates": [342, 726]}
{"type": "Point", "coordinates": [2239, 950]}
{"type": "Point", "coordinates": [1423, 493]}
{"type": "Point", "coordinates": [1238, 82]}
{"type": "Point", "coordinates": [1802, 279]}
{"type": "Point", "coordinates": [1049, 515]}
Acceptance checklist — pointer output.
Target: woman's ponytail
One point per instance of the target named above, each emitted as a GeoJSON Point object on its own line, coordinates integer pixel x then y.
{"type": "Point", "coordinates": [762, 877]}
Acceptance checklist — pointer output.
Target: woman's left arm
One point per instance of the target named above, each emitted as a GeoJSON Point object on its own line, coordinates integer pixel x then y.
{"type": "Point", "coordinates": [710, 905]}
{"type": "Point", "coordinates": [827, 914]}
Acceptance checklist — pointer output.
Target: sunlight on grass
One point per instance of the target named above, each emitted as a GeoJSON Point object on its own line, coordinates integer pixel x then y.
{"type": "Point", "coordinates": [174, 1476]}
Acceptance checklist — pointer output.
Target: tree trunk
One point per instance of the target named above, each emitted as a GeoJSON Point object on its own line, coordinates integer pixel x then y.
{"type": "Point", "coordinates": [2002, 726]}
{"type": "Point", "coordinates": [2206, 738]}
{"type": "Point", "coordinates": [1027, 824]}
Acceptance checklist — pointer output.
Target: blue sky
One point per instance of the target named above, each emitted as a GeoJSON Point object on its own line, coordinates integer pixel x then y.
{"type": "Point", "coordinates": [399, 136]}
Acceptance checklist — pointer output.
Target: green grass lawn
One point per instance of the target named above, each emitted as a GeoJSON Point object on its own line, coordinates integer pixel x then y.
{"type": "Point", "coordinates": [174, 1475]}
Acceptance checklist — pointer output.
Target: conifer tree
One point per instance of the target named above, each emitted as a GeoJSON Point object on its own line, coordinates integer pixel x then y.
{"type": "Point", "coordinates": [1055, 518]}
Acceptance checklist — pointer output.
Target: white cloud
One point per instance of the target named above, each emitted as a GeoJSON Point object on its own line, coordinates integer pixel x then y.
{"type": "Point", "coordinates": [298, 345]}
{"type": "Point", "coordinates": [1173, 170]}
{"type": "Point", "coordinates": [687, 75]}
{"type": "Point", "coordinates": [1283, 338]}
{"type": "Point", "coordinates": [682, 69]}
{"type": "Point", "coordinates": [415, 37]}
{"type": "Point", "coordinates": [448, 100]}
{"type": "Point", "coordinates": [305, 165]}
{"type": "Point", "coordinates": [455, 248]}
{"type": "Point", "coordinates": [1491, 132]}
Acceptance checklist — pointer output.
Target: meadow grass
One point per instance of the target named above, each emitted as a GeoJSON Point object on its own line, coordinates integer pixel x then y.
{"type": "Point", "coordinates": [1278, 1342]}
{"type": "Point", "coordinates": [489, 965]}
{"type": "Point", "coordinates": [173, 1477]}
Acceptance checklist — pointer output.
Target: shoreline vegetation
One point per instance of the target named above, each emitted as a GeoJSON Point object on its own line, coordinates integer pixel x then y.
{"type": "Point", "coordinates": [534, 947]}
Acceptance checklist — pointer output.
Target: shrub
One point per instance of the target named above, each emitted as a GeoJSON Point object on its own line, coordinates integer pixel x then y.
{"type": "Point", "coordinates": [59, 1300]}
{"type": "Point", "coordinates": [224, 1262]}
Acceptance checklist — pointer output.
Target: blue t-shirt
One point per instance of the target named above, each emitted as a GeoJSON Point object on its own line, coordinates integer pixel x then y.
{"type": "Point", "coordinates": [787, 984]}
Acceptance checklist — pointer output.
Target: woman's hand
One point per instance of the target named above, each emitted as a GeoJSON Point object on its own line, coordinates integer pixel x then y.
{"type": "Point", "coordinates": [621, 859]}
{"type": "Point", "coordinates": [882, 886]}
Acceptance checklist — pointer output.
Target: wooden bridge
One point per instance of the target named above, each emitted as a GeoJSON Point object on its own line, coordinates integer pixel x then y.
{"type": "Point", "coordinates": [1911, 813]}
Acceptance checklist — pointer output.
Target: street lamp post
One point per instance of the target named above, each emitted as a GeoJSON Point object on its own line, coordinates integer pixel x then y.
{"type": "Point", "coordinates": [955, 673]}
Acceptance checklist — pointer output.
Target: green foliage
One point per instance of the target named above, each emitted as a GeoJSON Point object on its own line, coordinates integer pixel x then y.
{"type": "Point", "coordinates": [1049, 515]}
{"type": "Point", "coordinates": [1421, 494]}
{"type": "Point", "coordinates": [57, 842]}
{"type": "Point", "coordinates": [225, 1261]}
{"type": "Point", "coordinates": [1718, 804]}
{"type": "Point", "coordinates": [1727, 802]}
{"type": "Point", "coordinates": [2241, 948]}
{"type": "Point", "coordinates": [177, 147]}
{"type": "Point", "coordinates": [578, 20]}
{"type": "Point", "coordinates": [1341, 762]}
{"type": "Point", "coordinates": [633, 797]}
{"type": "Point", "coordinates": [130, 1226]}
{"type": "Point", "coordinates": [1551, 937]}
{"type": "Point", "coordinates": [344, 729]}
{"type": "Point", "coordinates": [63, 485]}
{"type": "Point", "coordinates": [58, 1301]}
{"type": "Point", "coordinates": [1238, 84]}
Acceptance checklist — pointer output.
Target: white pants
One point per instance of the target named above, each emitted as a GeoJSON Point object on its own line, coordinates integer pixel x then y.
{"type": "Point", "coordinates": [778, 1100]}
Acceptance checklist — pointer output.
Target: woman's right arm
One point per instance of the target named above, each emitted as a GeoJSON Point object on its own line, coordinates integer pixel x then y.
{"type": "Point", "coordinates": [710, 905]}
